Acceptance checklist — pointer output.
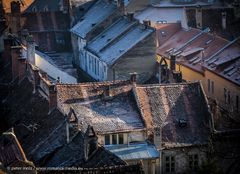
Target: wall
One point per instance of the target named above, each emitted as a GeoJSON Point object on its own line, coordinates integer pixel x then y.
{"type": "Point", "coordinates": [75, 49]}
{"type": "Point", "coordinates": [181, 156]}
{"type": "Point", "coordinates": [139, 59]}
{"type": "Point", "coordinates": [219, 85]}
{"type": "Point", "coordinates": [51, 70]}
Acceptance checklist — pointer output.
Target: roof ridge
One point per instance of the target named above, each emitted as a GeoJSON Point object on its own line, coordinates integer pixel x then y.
{"type": "Point", "coordinates": [169, 84]}
{"type": "Point", "coordinates": [93, 83]}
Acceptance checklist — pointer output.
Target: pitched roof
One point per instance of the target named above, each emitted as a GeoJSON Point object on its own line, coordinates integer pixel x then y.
{"type": "Point", "coordinates": [116, 40]}
{"type": "Point", "coordinates": [43, 134]}
{"type": "Point", "coordinates": [207, 50]}
{"type": "Point", "coordinates": [94, 16]}
{"type": "Point", "coordinates": [41, 5]}
{"type": "Point", "coordinates": [180, 110]}
{"type": "Point", "coordinates": [105, 114]}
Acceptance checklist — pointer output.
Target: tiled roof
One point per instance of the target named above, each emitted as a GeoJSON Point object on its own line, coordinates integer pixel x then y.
{"type": "Point", "coordinates": [24, 5]}
{"type": "Point", "coordinates": [180, 110]}
{"type": "Point", "coordinates": [105, 114]}
{"type": "Point", "coordinates": [43, 134]}
{"type": "Point", "coordinates": [207, 50]}
{"type": "Point", "coordinates": [95, 15]}
{"type": "Point", "coordinates": [118, 39]}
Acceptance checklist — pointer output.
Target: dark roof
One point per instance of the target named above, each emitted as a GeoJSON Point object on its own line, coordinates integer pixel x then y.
{"type": "Point", "coordinates": [41, 5]}
{"type": "Point", "coordinates": [104, 113]}
{"type": "Point", "coordinates": [180, 110]}
{"type": "Point", "coordinates": [100, 11]}
{"type": "Point", "coordinates": [43, 134]}
{"type": "Point", "coordinates": [118, 39]}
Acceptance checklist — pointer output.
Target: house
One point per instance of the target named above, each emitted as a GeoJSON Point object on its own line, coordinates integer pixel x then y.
{"type": "Point", "coordinates": [178, 117]}
{"type": "Point", "coordinates": [90, 24]}
{"type": "Point", "coordinates": [49, 138]}
{"type": "Point", "coordinates": [112, 111]}
{"type": "Point", "coordinates": [48, 22]}
{"type": "Point", "coordinates": [120, 50]}
{"type": "Point", "coordinates": [199, 55]}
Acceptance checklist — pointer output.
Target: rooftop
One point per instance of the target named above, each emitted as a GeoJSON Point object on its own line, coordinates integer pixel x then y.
{"type": "Point", "coordinates": [116, 40]}
{"type": "Point", "coordinates": [197, 49]}
{"type": "Point", "coordinates": [179, 110]}
{"type": "Point", "coordinates": [103, 10]}
{"type": "Point", "coordinates": [43, 137]}
{"type": "Point", "coordinates": [107, 106]}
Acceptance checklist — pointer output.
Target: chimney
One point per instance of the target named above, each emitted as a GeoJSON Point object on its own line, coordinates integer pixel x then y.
{"type": "Point", "coordinates": [52, 98]}
{"type": "Point", "coordinates": [199, 17]}
{"type": "Point", "coordinates": [15, 17]}
{"type": "Point", "coordinates": [107, 93]}
{"type": "Point", "coordinates": [224, 20]}
{"type": "Point", "coordinates": [15, 54]}
{"type": "Point", "coordinates": [120, 5]}
{"type": "Point", "coordinates": [30, 49]}
{"type": "Point", "coordinates": [130, 16]}
{"type": "Point", "coordinates": [133, 78]}
{"type": "Point", "coordinates": [147, 23]}
{"type": "Point", "coordinates": [173, 63]}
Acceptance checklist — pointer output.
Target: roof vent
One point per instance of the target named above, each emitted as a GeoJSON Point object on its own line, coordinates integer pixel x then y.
{"type": "Point", "coordinates": [182, 123]}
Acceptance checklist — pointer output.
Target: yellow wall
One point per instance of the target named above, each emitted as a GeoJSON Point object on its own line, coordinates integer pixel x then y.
{"type": "Point", "coordinates": [219, 85]}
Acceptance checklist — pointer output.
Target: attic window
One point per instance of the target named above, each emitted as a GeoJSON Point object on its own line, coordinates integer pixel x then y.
{"type": "Point", "coordinates": [182, 123]}
{"type": "Point", "coordinates": [93, 24]}
{"type": "Point", "coordinates": [102, 36]}
{"type": "Point", "coordinates": [81, 9]}
{"type": "Point", "coordinates": [108, 39]}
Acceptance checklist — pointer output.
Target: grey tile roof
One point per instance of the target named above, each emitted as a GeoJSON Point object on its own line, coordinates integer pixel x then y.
{"type": "Point", "coordinates": [118, 114]}
{"type": "Point", "coordinates": [180, 110]}
{"type": "Point", "coordinates": [95, 15]}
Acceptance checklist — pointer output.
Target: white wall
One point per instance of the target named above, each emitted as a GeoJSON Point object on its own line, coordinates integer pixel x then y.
{"type": "Point", "coordinates": [52, 70]}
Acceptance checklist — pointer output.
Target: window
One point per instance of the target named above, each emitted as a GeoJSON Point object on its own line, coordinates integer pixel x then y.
{"type": "Point", "coordinates": [212, 87]}
{"type": "Point", "coordinates": [193, 161]}
{"type": "Point", "coordinates": [107, 139]}
{"type": "Point", "coordinates": [120, 139]}
{"type": "Point", "coordinates": [114, 138]}
{"type": "Point", "coordinates": [237, 103]}
{"type": "Point", "coordinates": [170, 164]}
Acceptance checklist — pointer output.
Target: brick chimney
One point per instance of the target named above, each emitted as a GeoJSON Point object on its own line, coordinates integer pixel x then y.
{"type": "Point", "coordinates": [173, 63]}
{"type": "Point", "coordinates": [52, 98]}
{"type": "Point", "coordinates": [15, 17]}
{"type": "Point", "coordinates": [147, 23]}
{"type": "Point", "coordinates": [30, 49]}
{"type": "Point", "coordinates": [133, 78]}
{"type": "Point", "coordinates": [130, 16]}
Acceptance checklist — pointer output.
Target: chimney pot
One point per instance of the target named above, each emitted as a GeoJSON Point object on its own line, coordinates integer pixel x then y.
{"type": "Point", "coordinates": [147, 23]}
{"type": "Point", "coordinates": [133, 77]}
{"type": "Point", "coordinates": [130, 16]}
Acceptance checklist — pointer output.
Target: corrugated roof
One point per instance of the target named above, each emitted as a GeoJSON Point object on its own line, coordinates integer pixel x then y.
{"type": "Point", "coordinates": [95, 15]}
{"type": "Point", "coordinates": [134, 151]}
